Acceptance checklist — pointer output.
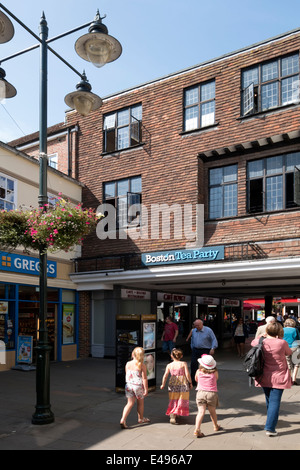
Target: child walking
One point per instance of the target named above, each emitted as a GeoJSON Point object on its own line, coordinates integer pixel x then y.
{"type": "Point", "coordinates": [179, 386]}
{"type": "Point", "coordinates": [207, 392]}
{"type": "Point", "coordinates": [136, 387]}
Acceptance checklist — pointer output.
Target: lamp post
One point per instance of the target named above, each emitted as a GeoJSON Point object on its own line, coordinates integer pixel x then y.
{"type": "Point", "coordinates": [105, 50]}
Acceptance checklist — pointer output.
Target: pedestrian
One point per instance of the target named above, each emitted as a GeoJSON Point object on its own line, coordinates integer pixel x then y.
{"type": "Point", "coordinates": [207, 392]}
{"type": "Point", "coordinates": [203, 341]}
{"type": "Point", "coordinates": [276, 376]}
{"type": "Point", "coordinates": [179, 386]}
{"type": "Point", "coordinates": [136, 387]}
{"type": "Point", "coordinates": [169, 335]}
{"type": "Point", "coordinates": [240, 333]}
{"type": "Point", "coordinates": [290, 335]}
{"type": "Point", "coordinates": [262, 329]}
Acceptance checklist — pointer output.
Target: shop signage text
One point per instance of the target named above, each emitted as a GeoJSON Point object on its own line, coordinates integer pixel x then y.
{"type": "Point", "coordinates": [24, 264]}
{"type": "Point", "coordinates": [195, 255]}
{"type": "Point", "coordinates": [135, 294]}
{"type": "Point", "coordinates": [164, 297]}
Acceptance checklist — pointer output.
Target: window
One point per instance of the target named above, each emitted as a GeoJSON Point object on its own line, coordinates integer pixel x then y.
{"type": "Point", "coordinates": [7, 193]}
{"type": "Point", "coordinates": [52, 199]}
{"type": "Point", "coordinates": [53, 160]}
{"type": "Point", "coordinates": [122, 129]}
{"type": "Point", "coordinates": [125, 196]}
{"type": "Point", "coordinates": [271, 183]}
{"type": "Point", "coordinates": [223, 192]}
{"type": "Point", "coordinates": [270, 84]}
{"type": "Point", "coordinates": [199, 106]}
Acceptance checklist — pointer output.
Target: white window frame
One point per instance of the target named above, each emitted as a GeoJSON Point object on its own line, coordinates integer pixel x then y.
{"type": "Point", "coordinates": [6, 201]}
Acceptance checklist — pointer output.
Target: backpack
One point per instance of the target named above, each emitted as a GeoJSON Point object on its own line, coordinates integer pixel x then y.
{"type": "Point", "coordinates": [254, 360]}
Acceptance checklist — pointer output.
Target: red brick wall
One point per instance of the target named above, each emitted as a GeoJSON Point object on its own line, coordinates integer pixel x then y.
{"type": "Point", "coordinates": [168, 162]}
{"type": "Point", "coordinates": [84, 324]}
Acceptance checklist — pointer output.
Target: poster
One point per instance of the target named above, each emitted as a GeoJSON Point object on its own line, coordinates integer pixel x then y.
{"type": "Point", "coordinates": [149, 360]}
{"type": "Point", "coordinates": [24, 350]}
{"type": "Point", "coordinates": [149, 335]}
{"type": "Point", "coordinates": [68, 324]}
{"type": "Point", "coordinates": [4, 308]}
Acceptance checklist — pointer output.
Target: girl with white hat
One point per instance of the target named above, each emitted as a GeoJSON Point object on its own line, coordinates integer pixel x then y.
{"type": "Point", "coordinates": [207, 392]}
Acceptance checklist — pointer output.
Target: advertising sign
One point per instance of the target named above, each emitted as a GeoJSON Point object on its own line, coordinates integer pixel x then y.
{"type": "Point", "coordinates": [24, 349]}
{"type": "Point", "coordinates": [195, 255]}
{"type": "Point", "coordinates": [68, 324]}
{"type": "Point", "coordinates": [24, 264]}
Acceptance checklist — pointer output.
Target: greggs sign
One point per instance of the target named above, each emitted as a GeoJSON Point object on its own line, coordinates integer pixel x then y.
{"type": "Point", "coordinates": [24, 264]}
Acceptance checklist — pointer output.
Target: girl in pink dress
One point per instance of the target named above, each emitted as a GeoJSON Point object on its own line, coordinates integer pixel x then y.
{"type": "Point", "coordinates": [179, 386]}
{"type": "Point", "coordinates": [276, 376]}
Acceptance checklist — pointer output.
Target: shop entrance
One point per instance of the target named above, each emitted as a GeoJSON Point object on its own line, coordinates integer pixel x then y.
{"type": "Point", "coordinates": [29, 317]}
{"type": "Point", "coordinates": [180, 314]}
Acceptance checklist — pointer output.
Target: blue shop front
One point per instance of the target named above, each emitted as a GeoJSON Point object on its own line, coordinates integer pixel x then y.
{"type": "Point", "coordinates": [19, 310]}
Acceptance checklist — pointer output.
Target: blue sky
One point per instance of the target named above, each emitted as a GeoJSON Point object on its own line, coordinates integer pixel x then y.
{"type": "Point", "coordinates": [158, 37]}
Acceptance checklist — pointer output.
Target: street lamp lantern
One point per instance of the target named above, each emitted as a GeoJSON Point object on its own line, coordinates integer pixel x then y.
{"type": "Point", "coordinates": [7, 30]}
{"type": "Point", "coordinates": [102, 49]}
{"type": "Point", "coordinates": [7, 90]}
{"type": "Point", "coordinates": [83, 100]}
{"type": "Point", "coordinates": [97, 46]}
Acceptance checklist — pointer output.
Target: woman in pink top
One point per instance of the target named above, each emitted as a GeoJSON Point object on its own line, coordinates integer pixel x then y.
{"type": "Point", "coordinates": [276, 376]}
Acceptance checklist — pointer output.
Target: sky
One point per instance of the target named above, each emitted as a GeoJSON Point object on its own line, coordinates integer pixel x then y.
{"type": "Point", "coordinates": [158, 37]}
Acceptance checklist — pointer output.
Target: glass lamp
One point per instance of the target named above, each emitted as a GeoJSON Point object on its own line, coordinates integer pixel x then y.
{"type": "Point", "coordinates": [98, 46]}
{"type": "Point", "coordinates": [6, 28]}
{"type": "Point", "coordinates": [83, 100]}
{"type": "Point", "coordinates": [6, 89]}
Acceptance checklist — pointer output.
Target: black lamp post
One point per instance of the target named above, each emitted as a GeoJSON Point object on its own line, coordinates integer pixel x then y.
{"type": "Point", "coordinates": [104, 49]}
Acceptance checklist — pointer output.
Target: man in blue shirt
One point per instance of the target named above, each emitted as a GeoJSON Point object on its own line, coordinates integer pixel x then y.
{"type": "Point", "coordinates": [203, 341]}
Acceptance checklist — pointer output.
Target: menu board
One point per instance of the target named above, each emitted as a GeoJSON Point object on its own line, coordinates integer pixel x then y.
{"type": "Point", "coordinates": [127, 338]}
{"type": "Point", "coordinates": [133, 331]}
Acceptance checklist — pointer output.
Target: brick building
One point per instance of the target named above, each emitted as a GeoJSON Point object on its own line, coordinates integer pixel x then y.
{"type": "Point", "coordinates": [220, 140]}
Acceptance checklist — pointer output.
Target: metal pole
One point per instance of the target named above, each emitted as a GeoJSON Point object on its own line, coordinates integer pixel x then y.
{"type": "Point", "coordinates": [43, 413]}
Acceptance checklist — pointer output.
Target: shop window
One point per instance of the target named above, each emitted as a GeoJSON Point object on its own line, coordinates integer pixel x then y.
{"type": "Point", "coordinates": [68, 296]}
{"type": "Point", "coordinates": [7, 323]}
{"type": "Point", "coordinates": [122, 129]}
{"type": "Point", "coordinates": [270, 84]}
{"type": "Point", "coordinates": [223, 192]}
{"type": "Point", "coordinates": [125, 196]}
{"type": "Point", "coordinates": [8, 188]}
{"type": "Point", "coordinates": [7, 315]}
{"type": "Point", "coordinates": [271, 183]}
{"type": "Point", "coordinates": [32, 293]}
{"type": "Point", "coordinates": [199, 106]}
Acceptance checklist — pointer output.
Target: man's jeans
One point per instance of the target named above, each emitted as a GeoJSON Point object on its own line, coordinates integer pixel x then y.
{"type": "Point", "coordinates": [168, 346]}
{"type": "Point", "coordinates": [273, 399]}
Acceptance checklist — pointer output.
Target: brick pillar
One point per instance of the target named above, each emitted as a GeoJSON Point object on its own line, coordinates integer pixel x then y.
{"type": "Point", "coordinates": [84, 324]}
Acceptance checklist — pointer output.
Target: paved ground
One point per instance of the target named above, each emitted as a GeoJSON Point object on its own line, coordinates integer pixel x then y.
{"type": "Point", "coordinates": [87, 413]}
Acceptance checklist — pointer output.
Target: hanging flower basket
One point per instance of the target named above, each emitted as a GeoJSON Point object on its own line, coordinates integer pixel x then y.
{"type": "Point", "coordinates": [51, 228]}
